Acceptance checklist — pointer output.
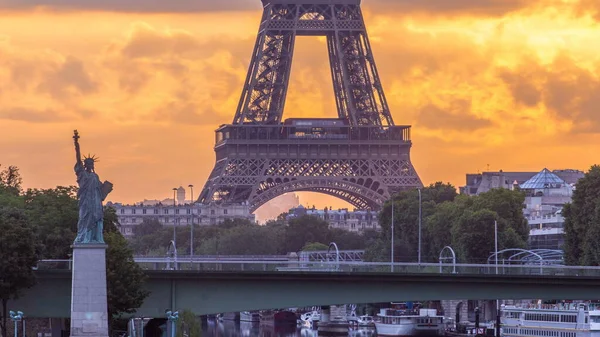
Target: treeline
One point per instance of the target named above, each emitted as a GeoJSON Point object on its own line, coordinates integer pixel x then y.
{"type": "Point", "coordinates": [465, 223]}
{"type": "Point", "coordinates": [242, 237]}
{"type": "Point", "coordinates": [39, 224]}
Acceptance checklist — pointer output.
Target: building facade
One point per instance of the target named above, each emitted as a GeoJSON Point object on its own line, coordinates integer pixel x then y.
{"type": "Point", "coordinates": [353, 221]}
{"type": "Point", "coordinates": [131, 216]}
{"type": "Point", "coordinates": [545, 194]}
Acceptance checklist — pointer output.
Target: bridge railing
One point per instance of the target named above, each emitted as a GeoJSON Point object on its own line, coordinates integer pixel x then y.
{"type": "Point", "coordinates": [349, 267]}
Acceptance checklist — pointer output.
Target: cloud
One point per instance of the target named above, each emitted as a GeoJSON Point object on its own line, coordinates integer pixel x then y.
{"type": "Point", "coordinates": [457, 117]}
{"type": "Point", "coordinates": [137, 6]}
{"type": "Point", "coordinates": [487, 7]}
{"type": "Point", "coordinates": [568, 91]}
{"type": "Point", "coordinates": [68, 79]}
{"type": "Point", "coordinates": [31, 115]}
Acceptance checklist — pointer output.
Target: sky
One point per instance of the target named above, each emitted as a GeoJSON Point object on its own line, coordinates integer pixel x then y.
{"type": "Point", "coordinates": [485, 84]}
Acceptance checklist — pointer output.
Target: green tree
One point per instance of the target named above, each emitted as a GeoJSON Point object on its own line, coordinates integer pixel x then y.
{"type": "Point", "coordinates": [148, 226]}
{"type": "Point", "coordinates": [53, 213]}
{"type": "Point", "coordinates": [188, 324]}
{"type": "Point", "coordinates": [438, 226]}
{"type": "Point", "coordinates": [406, 218]}
{"type": "Point", "coordinates": [473, 235]}
{"type": "Point", "coordinates": [508, 205]}
{"type": "Point", "coordinates": [17, 249]}
{"type": "Point", "coordinates": [582, 217]}
{"type": "Point", "coordinates": [314, 246]}
{"type": "Point", "coordinates": [305, 229]}
{"type": "Point", "coordinates": [124, 277]}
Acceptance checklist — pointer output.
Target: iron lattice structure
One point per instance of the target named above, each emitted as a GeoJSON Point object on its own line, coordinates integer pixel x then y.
{"type": "Point", "coordinates": [360, 157]}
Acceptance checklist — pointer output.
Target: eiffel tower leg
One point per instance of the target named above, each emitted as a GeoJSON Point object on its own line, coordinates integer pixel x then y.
{"type": "Point", "coordinates": [265, 89]}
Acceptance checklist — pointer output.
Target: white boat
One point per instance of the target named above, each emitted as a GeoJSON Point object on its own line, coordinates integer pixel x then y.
{"type": "Point", "coordinates": [551, 320]}
{"type": "Point", "coordinates": [310, 319]}
{"type": "Point", "coordinates": [249, 316]}
{"type": "Point", "coordinates": [366, 320]}
{"type": "Point", "coordinates": [406, 322]}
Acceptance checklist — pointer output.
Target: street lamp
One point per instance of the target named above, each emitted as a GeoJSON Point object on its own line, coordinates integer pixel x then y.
{"type": "Point", "coordinates": [497, 300]}
{"type": "Point", "coordinates": [192, 226]}
{"type": "Point", "coordinates": [174, 219]}
{"type": "Point", "coordinates": [17, 317]}
{"type": "Point", "coordinates": [418, 189]}
{"type": "Point", "coordinates": [392, 257]}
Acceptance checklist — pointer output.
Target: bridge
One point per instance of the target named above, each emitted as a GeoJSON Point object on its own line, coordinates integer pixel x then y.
{"type": "Point", "coordinates": [224, 286]}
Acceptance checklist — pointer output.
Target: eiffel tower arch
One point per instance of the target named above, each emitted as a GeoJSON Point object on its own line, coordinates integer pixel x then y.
{"type": "Point", "coordinates": [360, 157]}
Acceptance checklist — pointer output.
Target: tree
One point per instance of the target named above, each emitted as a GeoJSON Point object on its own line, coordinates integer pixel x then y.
{"type": "Point", "coordinates": [147, 227]}
{"type": "Point", "coordinates": [509, 207]}
{"type": "Point", "coordinates": [473, 235]}
{"type": "Point", "coordinates": [305, 229]}
{"type": "Point", "coordinates": [314, 246]}
{"type": "Point", "coordinates": [582, 217]}
{"type": "Point", "coordinates": [53, 213]}
{"type": "Point", "coordinates": [124, 277]}
{"type": "Point", "coordinates": [17, 249]}
{"type": "Point", "coordinates": [188, 324]}
{"type": "Point", "coordinates": [10, 180]}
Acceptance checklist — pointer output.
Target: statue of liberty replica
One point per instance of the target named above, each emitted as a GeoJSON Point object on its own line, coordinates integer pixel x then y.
{"type": "Point", "coordinates": [90, 195]}
{"type": "Point", "coordinates": [89, 316]}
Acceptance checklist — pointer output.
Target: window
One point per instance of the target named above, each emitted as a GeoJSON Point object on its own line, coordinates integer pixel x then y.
{"type": "Point", "coordinates": [155, 211]}
{"type": "Point", "coordinates": [122, 211]}
{"type": "Point", "coordinates": [144, 211]}
{"type": "Point", "coordinates": [188, 211]}
{"type": "Point", "coordinates": [225, 211]}
{"type": "Point", "coordinates": [133, 211]}
{"type": "Point", "coordinates": [166, 211]}
{"type": "Point", "coordinates": [176, 211]}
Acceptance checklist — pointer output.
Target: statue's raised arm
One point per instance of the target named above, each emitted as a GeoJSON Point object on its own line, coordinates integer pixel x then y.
{"type": "Point", "coordinates": [91, 193]}
{"type": "Point", "coordinates": [78, 162]}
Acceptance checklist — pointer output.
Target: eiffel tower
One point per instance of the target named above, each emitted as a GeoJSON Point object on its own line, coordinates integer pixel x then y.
{"type": "Point", "coordinates": [360, 157]}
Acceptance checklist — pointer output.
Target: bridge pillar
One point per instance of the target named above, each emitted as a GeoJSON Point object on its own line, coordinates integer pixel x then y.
{"type": "Point", "coordinates": [334, 321]}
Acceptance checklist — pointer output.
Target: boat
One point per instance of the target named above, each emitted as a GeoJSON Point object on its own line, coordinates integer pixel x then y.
{"type": "Point", "coordinates": [310, 319]}
{"type": "Point", "coordinates": [249, 316]}
{"type": "Point", "coordinates": [401, 320]}
{"type": "Point", "coordinates": [551, 320]}
{"type": "Point", "coordinates": [366, 320]}
{"type": "Point", "coordinates": [278, 317]}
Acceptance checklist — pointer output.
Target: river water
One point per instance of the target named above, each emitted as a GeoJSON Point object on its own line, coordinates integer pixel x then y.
{"type": "Point", "coordinates": [248, 329]}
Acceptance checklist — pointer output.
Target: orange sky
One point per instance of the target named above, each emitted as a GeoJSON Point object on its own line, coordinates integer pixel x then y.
{"type": "Point", "coordinates": [510, 83]}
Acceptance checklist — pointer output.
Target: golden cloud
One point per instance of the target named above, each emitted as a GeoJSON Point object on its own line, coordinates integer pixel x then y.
{"type": "Point", "coordinates": [481, 81]}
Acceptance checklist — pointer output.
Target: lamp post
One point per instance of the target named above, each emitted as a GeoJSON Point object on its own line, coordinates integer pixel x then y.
{"type": "Point", "coordinates": [192, 226]}
{"type": "Point", "coordinates": [419, 253]}
{"type": "Point", "coordinates": [174, 218]}
{"type": "Point", "coordinates": [392, 257]}
{"type": "Point", "coordinates": [172, 318]}
{"type": "Point", "coordinates": [497, 300]}
{"type": "Point", "coordinates": [17, 317]}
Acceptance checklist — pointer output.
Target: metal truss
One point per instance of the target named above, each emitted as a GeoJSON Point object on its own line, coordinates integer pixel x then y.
{"type": "Point", "coordinates": [359, 95]}
{"type": "Point", "coordinates": [365, 184]}
{"type": "Point", "coordinates": [324, 255]}
{"type": "Point", "coordinates": [532, 256]}
{"type": "Point", "coordinates": [362, 157]}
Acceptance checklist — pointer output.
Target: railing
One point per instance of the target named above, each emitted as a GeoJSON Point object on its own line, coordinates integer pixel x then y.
{"type": "Point", "coordinates": [345, 133]}
{"type": "Point", "coordinates": [357, 267]}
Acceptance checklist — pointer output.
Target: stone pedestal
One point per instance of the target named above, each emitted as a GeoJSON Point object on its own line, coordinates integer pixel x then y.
{"type": "Point", "coordinates": [89, 317]}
